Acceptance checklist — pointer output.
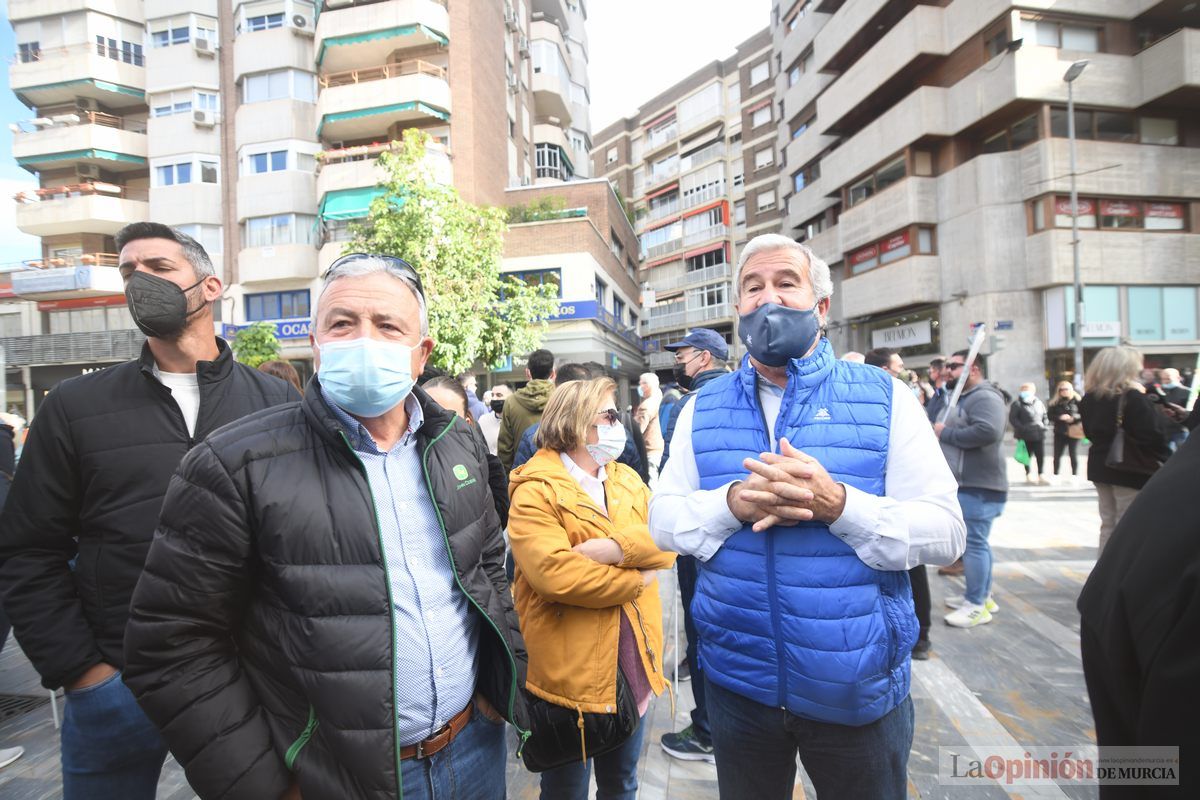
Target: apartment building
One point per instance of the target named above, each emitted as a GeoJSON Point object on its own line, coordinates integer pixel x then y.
{"type": "Point", "coordinates": [256, 126]}
{"type": "Point", "coordinates": [588, 250]}
{"type": "Point", "coordinates": [698, 165]}
{"type": "Point", "coordinates": [927, 159]}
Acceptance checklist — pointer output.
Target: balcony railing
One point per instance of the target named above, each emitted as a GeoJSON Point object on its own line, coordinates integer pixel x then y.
{"type": "Point", "coordinates": [658, 250]}
{"type": "Point", "coordinates": [382, 72]}
{"type": "Point", "coordinates": [713, 151]}
{"type": "Point", "coordinates": [661, 210]}
{"type": "Point", "coordinates": [334, 5]}
{"type": "Point", "coordinates": [66, 51]}
{"type": "Point", "coordinates": [663, 175]}
{"type": "Point", "coordinates": [656, 139]}
{"type": "Point", "coordinates": [370, 152]}
{"type": "Point", "coordinates": [82, 260]}
{"type": "Point", "coordinates": [73, 348]}
{"type": "Point", "coordinates": [78, 118]}
{"type": "Point", "coordinates": [687, 318]}
{"type": "Point", "coordinates": [704, 234]}
{"type": "Point", "coordinates": [715, 272]}
{"type": "Point", "coordinates": [50, 193]}
{"type": "Point", "coordinates": [701, 117]}
{"type": "Point", "coordinates": [705, 195]}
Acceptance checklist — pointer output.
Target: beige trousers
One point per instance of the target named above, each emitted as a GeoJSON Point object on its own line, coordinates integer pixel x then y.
{"type": "Point", "coordinates": [1114, 500]}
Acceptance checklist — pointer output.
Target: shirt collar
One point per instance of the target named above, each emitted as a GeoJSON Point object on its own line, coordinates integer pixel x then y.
{"type": "Point", "coordinates": [579, 473]}
{"type": "Point", "coordinates": [360, 438]}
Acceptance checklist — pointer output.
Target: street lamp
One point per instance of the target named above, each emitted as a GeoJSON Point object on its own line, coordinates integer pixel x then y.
{"type": "Point", "coordinates": [1074, 72]}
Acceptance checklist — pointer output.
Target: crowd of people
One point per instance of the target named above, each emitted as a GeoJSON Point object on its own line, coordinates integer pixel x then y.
{"type": "Point", "coordinates": [358, 587]}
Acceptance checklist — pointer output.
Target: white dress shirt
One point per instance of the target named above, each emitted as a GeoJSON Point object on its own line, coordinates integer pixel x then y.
{"type": "Point", "coordinates": [917, 521]}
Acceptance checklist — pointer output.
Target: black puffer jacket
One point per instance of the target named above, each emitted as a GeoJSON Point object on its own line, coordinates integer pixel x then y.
{"type": "Point", "coordinates": [93, 473]}
{"type": "Point", "coordinates": [260, 638]}
{"type": "Point", "coordinates": [1144, 424]}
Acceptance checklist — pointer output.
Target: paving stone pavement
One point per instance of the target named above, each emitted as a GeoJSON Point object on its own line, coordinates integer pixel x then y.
{"type": "Point", "coordinates": [1017, 680]}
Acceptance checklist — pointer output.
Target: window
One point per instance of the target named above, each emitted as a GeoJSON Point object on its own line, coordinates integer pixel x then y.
{"type": "Point", "coordinates": [552, 162]}
{"type": "Point", "coordinates": [1014, 137]}
{"type": "Point", "coordinates": [766, 201]}
{"type": "Point", "coordinates": [277, 305]}
{"type": "Point", "coordinates": [1115, 126]}
{"type": "Point", "coordinates": [208, 101]}
{"type": "Point", "coordinates": [610, 157]}
{"type": "Point", "coordinates": [761, 116]}
{"type": "Point", "coordinates": [209, 236]}
{"type": "Point", "coordinates": [759, 73]}
{"type": "Point", "coordinates": [172, 174]}
{"type": "Point", "coordinates": [801, 125]}
{"type": "Point", "coordinates": [264, 22]}
{"type": "Point", "coordinates": [208, 172]}
{"type": "Point", "coordinates": [1048, 33]}
{"type": "Point", "coordinates": [1085, 210]}
{"type": "Point", "coordinates": [805, 176]}
{"type": "Point", "coordinates": [739, 212]}
{"type": "Point", "coordinates": [705, 260]}
{"type": "Point", "coordinates": [1120, 214]}
{"type": "Point", "coordinates": [764, 158]}
{"type": "Point", "coordinates": [128, 52]}
{"type": "Point", "coordinates": [794, 75]}
{"type": "Point", "coordinates": [700, 107]}
{"type": "Point", "coordinates": [600, 292]}
{"type": "Point", "coordinates": [280, 229]}
{"type": "Point", "coordinates": [29, 51]}
{"type": "Point", "coordinates": [274, 161]}
{"type": "Point", "coordinates": [1164, 216]}
{"type": "Point", "coordinates": [885, 176]}
{"type": "Point", "coordinates": [619, 309]}
{"type": "Point", "coordinates": [1156, 130]}
{"type": "Point", "coordinates": [170, 36]}
{"type": "Point", "coordinates": [279, 84]}
{"type": "Point", "coordinates": [540, 277]}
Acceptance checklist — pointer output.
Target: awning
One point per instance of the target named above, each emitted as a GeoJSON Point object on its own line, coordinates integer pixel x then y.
{"type": "Point", "coordinates": [79, 155]}
{"type": "Point", "coordinates": [395, 108]}
{"type": "Point", "coordinates": [706, 249]}
{"type": "Point", "coordinates": [691, 212]}
{"type": "Point", "coordinates": [388, 33]}
{"type": "Point", "coordinates": [349, 203]}
{"type": "Point", "coordinates": [664, 190]}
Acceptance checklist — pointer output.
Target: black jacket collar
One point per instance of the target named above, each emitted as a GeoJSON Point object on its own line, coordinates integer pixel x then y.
{"type": "Point", "coordinates": [206, 371]}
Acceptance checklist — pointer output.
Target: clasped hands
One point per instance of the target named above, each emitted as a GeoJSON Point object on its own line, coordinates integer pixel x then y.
{"type": "Point", "coordinates": [784, 488]}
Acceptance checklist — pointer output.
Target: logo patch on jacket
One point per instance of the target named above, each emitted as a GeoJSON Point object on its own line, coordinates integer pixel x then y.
{"type": "Point", "coordinates": [822, 415]}
{"type": "Point", "coordinates": [463, 476]}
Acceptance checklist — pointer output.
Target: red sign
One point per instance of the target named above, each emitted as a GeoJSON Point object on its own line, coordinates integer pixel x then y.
{"type": "Point", "coordinates": [1062, 205]}
{"type": "Point", "coordinates": [82, 302]}
{"type": "Point", "coordinates": [895, 242]}
{"type": "Point", "coordinates": [1119, 208]}
{"type": "Point", "coordinates": [1168, 210]}
{"type": "Point", "coordinates": [865, 254]}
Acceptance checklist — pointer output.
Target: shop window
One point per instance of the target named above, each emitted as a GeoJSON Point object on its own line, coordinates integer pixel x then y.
{"type": "Point", "coordinates": [1085, 210]}
{"type": "Point", "coordinates": [1120, 214]}
{"type": "Point", "coordinates": [895, 248]}
{"type": "Point", "coordinates": [863, 259]}
{"type": "Point", "coordinates": [925, 240]}
{"type": "Point", "coordinates": [1164, 216]}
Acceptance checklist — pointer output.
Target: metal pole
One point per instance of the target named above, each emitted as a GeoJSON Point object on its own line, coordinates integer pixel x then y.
{"type": "Point", "coordinates": [1075, 243]}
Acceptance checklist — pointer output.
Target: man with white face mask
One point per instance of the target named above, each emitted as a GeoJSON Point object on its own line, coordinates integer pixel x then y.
{"type": "Point", "coordinates": [807, 486]}
{"type": "Point", "coordinates": [324, 612]}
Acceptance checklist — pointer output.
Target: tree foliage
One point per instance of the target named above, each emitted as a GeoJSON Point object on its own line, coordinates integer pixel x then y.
{"type": "Point", "coordinates": [255, 344]}
{"type": "Point", "coordinates": [475, 313]}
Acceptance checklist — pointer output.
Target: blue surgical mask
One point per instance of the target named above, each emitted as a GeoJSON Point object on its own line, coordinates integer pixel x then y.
{"type": "Point", "coordinates": [641, 391]}
{"type": "Point", "coordinates": [1026, 396]}
{"type": "Point", "coordinates": [775, 334]}
{"type": "Point", "coordinates": [366, 377]}
{"type": "Point", "coordinates": [611, 444]}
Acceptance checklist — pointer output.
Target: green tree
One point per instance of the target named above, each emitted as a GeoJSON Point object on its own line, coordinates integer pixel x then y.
{"type": "Point", "coordinates": [475, 312]}
{"type": "Point", "coordinates": [255, 344]}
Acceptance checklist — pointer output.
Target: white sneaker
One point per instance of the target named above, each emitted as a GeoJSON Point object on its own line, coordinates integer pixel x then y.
{"type": "Point", "coordinates": [1043, 481]}
{"type": "Point", "coordinates": [958, 601]}
{"type": "Point", "coordinates": [969, 616]}
{"type": "Point", "coordinates": [9, 755]}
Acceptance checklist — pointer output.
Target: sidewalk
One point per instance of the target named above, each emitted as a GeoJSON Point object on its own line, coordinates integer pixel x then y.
{"type": "Point", "coordinates": [1016, 681]}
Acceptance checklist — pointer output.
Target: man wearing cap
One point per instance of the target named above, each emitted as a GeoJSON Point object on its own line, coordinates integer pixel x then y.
{"type": "Point", "coordinates": [324, 611]}
{"type": "Point", "coordinates": [807, 486]}
{"type": "Point", "coordinates": [699, 358]}
{"type": "Point", "coordinates": [83, 505]}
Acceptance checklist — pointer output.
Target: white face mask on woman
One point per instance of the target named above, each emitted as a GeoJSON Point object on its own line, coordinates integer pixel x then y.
{"type": "Point", "coordinates": [611, 444]}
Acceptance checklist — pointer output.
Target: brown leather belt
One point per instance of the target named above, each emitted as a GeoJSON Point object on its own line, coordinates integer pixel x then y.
{"type": "Point", "coordinates": [443, 737]}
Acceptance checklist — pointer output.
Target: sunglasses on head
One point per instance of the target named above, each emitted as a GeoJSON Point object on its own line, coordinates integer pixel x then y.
{"type": "Point", "coordinates": [399, 264]}
{"type": "Point", "coordinates": [611, 417]}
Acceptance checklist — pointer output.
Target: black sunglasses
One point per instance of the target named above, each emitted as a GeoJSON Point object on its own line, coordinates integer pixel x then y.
{"type": "Point", "coordinates": [610, 415]}
{"type": "Point", "coordinates": [399, 264]}
{"type": "Point", "coordinates": [955, 365]}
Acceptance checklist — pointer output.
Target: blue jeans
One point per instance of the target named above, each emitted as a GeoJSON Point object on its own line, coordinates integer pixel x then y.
{"type": "Point", "coordinates": [110, 749]}
{"type": "Point", "coordinates": [616, 773]}
{"type": "Point", "coordinates": [687, 568]}
{"type": "Point", "coordinates": [756, 749]}
{"type": "Point", "coordinates": [469, 768]}
{"type": "Point", "coordinates": [979, 507]}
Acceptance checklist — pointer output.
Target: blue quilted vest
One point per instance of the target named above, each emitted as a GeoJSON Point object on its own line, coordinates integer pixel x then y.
{"type": "Point", "coordinates": [792, 618]}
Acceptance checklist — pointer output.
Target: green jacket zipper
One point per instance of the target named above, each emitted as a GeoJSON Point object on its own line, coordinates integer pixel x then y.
{"type": "Point", "coordinates": [512, 692]}
{"type": "Point", "coordinates": [310, 728]}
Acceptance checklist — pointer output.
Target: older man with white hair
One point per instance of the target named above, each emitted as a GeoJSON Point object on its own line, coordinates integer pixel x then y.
{"type": "Point", "coordinates": [324, 610]}
{"type": "Point", "coordinates": [808, 486]}
{"type": "Point", "coordinates": [650, 403]}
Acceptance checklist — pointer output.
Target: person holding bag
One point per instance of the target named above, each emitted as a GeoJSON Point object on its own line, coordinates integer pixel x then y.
{"type": "Point", "coordinates": [587, 596]}
{"type": "Point", "coordinates": [1068, 425]}
{"type": "Point", "coordinates": [1027, 415]}
{"type": "Point", "coordinates": [1128, 435]}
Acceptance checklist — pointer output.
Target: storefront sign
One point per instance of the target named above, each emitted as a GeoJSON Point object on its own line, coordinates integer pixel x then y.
{"type": "Point", "coordinates": [1062, 205]}
{"type": "Point", "coordinates": [1117, 208]}
{"type": "Point", "coordinates": [284, 328]}
{"type": "Point", "coordinates": [895, 242]}
{"type": "Point", "coordinates": [1166, 210]}
{"type": "Point", "coordinates": [1004, 325]}
{"type": "Point", "coordinates": [864, 255]}
{"type": "Point", "coordinates": [913, 333]}
{"type": "Point", "coordinates": [1101, 330]}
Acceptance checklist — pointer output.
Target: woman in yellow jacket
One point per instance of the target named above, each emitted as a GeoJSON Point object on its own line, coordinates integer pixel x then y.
{"type": "Point", "coordinates": [586, 585]}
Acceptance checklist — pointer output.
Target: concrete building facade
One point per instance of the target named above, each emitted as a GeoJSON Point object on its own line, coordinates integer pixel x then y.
{"type": "Point", "coordinates": [256, 126]}
{"type": "Point", "coordinates": [926, 158]}
{"type": "Point", "coordinates": [698, 166]}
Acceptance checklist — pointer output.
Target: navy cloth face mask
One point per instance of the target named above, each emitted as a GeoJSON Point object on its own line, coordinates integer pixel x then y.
{"type": "Point", "coordinates": [775, 334]}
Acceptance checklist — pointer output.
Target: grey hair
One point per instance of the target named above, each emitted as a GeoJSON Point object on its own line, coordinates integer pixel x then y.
{"type": "Point", "coordinates": [193, 251]}
{"type": "Point", "coordinates": [369, 265]}
{"type": "Point", "coordinates": [818, 270]}
{"type": "Point", "coordinates": [650, 378]}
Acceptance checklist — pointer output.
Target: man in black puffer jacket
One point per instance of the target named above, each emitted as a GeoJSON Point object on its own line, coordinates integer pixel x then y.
{"type": "Point", "coordinates": [324, 612]}
{"type": "Point", "coordinates": [83, 506]}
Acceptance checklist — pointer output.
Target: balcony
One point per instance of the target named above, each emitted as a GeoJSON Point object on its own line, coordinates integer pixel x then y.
{"type": "Point", "coordinates": [663, 359]}
{"type": "Point", "coordinates": [67, 283]}
{"type": "Point", "coordinates": [702, 119]}
{"type": "Point", "coordinates": [91, 347]}
{"type": "Point", "coordinates": [657, 139]}
{"type": "Point", "coordinates": [707, 275]}
{"type": "Point", "coordinates": [705, 234]}
{"type": "Point", "coordinates": [80, 208]}
{"type": "Point", "coordinates": [34, 9]}
{"type": "Point", "coordinates": [178, 133]}
{"type": "Point", "coordinates": [662, 210]}
{"type": "Point", "coordinates": [1113, 257]}
{"type": "Point", "coordinates": [274, 48]}
{"type": "Point", "coordinates": [705, 195]}
{"type": "Point", "coordinates": [1130, 170]}
{"type": "Point", "coordinates": [274, 120]}
{"type": "Point", "coordinates": [60, 75]}
{"type": "Point", "coordinates": [827, 245]}
{"type": "Point", "coordinates": [285, 192]}
{"type": "Point", "coordinates": [910, 281]}
{"type": "Point", "coordinates": [666, 248]}
{"type": "Point", "coordinates": [87, 137]}
{"type": "Point", "coordinates": [689, 318]}
{"type": "Point", "coordinates": [661, 176]}
{"type": "Point", "coordinates": [903, 203]}
{"type": "Point", "coordinates": [554, 11]}
{"type": "Point", "coordinates": [714, 151]}
{"type": "Point", "coordinates": [188, 203]}
{"type": "Point", "coordinates": [283, 262]}
{"type": "Point", "coordinates": [1170, 64]}
{"type": "Point", "coordinates": [552, 96]}
{"type": "Point", "coordinates": [368, 33]}
{"type": "Point", "coordinates": [357, 167]}
{"type": "Point", "coordinates": [355, 103]}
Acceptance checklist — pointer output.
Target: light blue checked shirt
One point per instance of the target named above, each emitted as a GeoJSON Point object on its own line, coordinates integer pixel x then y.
{"type": "Point", "coordinates": [436, 635]}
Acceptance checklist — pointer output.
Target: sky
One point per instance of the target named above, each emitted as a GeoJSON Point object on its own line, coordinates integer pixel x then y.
{"type": "Point", "coordinates": [638, 48]}
{"type": "Point", "coordinates": [14, 245]}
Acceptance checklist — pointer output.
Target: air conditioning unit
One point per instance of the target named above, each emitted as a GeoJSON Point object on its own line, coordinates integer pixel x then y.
{"type": "Point", "coordinates": [204, 119]}
{"type": "Point", "coordinates": [300, 26]}
{"type": "Point", "coordinates": [204, 47]}
{"type": "Point", "coordinates": [87, 172]}
{"type": "Point", "coordinates": [510, 18]}
{"type": "Point", "coordinates": [514, 83]}
{"type": "Point", "coordinates": [523, 46]}
{"type": "Point", "coordinates": [86, 104]}
{"type": "Point", "coordinates": [526, 180]}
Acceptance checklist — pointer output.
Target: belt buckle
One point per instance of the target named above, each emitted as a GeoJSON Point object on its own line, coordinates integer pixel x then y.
{"type": "Point", "coordinates": [420, 749]}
